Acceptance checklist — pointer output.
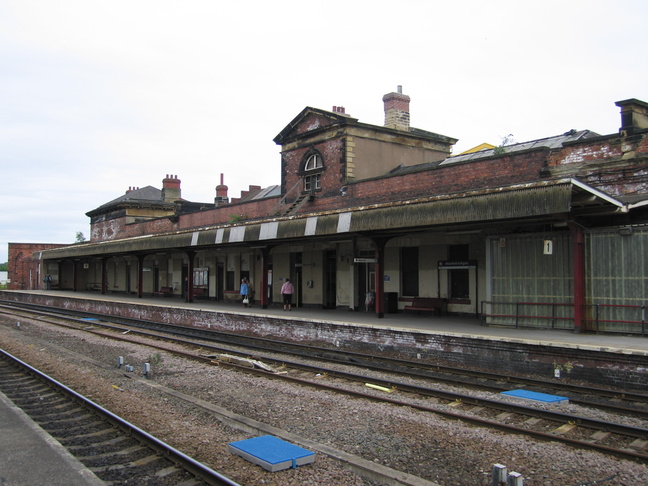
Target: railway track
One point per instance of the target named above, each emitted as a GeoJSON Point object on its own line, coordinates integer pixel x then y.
{"type": "Point", "coordinates": [116, 451]}
{"type": "Point", "coordinates": [577, 431]}
{"type": "Point", "coordinates": [626, 402]}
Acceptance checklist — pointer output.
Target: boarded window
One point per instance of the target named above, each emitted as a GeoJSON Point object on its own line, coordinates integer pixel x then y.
{"type": "Point", "coordinates": [525, 279]}
{"type": "Point", "coordinates": [616, 267]}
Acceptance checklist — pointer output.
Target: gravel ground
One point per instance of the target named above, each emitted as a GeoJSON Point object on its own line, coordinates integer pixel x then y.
{"type": "Point", "coordinates": [421, 444]}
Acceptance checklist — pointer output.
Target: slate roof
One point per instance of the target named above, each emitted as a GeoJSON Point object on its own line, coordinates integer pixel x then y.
{"type": "Point", "coordinates": [145, 196]}
{"type": "Point", "coordinates": [554, 142]}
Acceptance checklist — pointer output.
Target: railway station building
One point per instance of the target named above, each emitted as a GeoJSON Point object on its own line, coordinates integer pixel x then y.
{"type": "Point", "coordinates": [552, 232]}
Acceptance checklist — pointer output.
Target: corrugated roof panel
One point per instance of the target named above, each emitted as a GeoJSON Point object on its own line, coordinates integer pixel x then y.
{"type": "Point", "coordinates": [535, 201]}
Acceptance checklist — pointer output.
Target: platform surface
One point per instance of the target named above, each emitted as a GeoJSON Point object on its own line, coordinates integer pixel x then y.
{"type": "Point", "coordinates": [31, 457]}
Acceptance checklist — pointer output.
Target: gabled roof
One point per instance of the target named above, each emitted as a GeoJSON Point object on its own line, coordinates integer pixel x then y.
{"type": "Point", "coordinates": [338, 119]}
{"type": "Point", "coordinates": [148, 193]}
{"type": "Point", "coordinates": [549, 142]}
{"type": "Point", "coordinates": [290, 129]}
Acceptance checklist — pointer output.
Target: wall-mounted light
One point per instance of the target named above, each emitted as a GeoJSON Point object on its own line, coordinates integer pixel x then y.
{"type": "Point", "coordinates": [625, 231]}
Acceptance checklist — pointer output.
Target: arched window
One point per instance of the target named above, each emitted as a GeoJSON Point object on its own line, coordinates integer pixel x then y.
{"type": "Point", "coordinates": [313, 167]}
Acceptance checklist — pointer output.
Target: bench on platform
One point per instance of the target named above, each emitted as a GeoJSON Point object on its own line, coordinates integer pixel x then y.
{"type": "Point", "coordinates": [164, 291]}
{"type": "Point", "coordinates": [427, 304]}
{"type": "Point", "coordinates": [199, 292]}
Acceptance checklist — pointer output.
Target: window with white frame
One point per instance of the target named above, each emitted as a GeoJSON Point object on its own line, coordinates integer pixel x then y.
{"type": "Point", "coordinates": [313, 168]}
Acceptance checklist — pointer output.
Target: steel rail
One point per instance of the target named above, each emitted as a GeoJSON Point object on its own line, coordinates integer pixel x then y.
{"type": "Point", "coordinates": [187, 463]}
{"type": "Point", "coordinates": [562, 418]}
{"type": "Point", "coordinates": [468, 418]}
{"type": "Point", "coordinates": [376, 363]}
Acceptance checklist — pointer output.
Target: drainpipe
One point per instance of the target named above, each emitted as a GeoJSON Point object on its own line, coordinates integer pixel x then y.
{"type": "Point", "coordinates": [578, 253]}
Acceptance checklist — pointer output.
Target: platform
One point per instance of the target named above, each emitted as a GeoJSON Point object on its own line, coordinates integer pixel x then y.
{"type": "Point", "coordinates": [24, 444]}
{"type": "Point", "coordinates": [612, 360]}
{"type": "Point", "coordinates": [444, 324]}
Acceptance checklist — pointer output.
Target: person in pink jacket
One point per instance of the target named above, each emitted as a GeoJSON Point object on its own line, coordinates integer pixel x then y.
{"type": "Point", "coordinates": [287, 290]}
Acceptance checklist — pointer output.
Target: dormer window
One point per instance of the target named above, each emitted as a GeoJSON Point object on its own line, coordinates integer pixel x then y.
{"type": "Point", "coordinates": [312, 172]}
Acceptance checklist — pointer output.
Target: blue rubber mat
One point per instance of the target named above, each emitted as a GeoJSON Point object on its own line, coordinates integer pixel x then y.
{"type": "Point", "coordinates": [538, 397]}
{"type": "Point", "coordinates": [272, 453]}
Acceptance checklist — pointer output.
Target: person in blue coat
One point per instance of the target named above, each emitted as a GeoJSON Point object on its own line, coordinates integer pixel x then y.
{"type": "Point", "coordinates": [245, 292]}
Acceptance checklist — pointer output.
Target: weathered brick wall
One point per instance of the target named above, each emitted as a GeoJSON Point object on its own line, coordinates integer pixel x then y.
{"type": "Point", "coordinates": [615, 165]}
{"type": "Point", "coordinates": [493, 172]}
{"type": "Point", "coordinates": [332, 152]}
{"type": "Point", "coordinates": [23, 265]}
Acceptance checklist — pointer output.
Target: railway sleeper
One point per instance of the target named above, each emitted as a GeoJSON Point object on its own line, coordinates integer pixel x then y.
{"type": "Point", "coordinates": [639, 444]}
{"type": "Point", "coordinates": [123, 452]}
{"type": "Point", "coordinates": [565, 429]}
{"type": "Point", "coordinates": [600, 435]}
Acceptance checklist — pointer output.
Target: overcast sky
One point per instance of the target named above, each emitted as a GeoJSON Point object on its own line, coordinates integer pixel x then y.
{"type": "Point", "coordinates": [97, 96]}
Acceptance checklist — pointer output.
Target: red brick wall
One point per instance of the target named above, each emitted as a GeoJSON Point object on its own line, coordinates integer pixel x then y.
{"type": "Point", "coordinates": [23, 265]}
{"type": "Point", "coordinates": [492, 172]}
{"type": "Point", "coordinates": [332, 155]}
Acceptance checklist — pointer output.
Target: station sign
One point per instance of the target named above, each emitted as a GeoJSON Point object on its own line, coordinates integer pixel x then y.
{"type": "Point", "coordinates": [457, 265]}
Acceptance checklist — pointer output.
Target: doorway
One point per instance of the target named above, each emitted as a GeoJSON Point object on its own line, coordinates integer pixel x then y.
{"type": "Point", "coordinates": [330, 281]}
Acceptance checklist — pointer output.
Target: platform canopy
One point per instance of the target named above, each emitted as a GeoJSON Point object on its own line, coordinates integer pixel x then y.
{"type": "Point", "coordinates": [552, 200]}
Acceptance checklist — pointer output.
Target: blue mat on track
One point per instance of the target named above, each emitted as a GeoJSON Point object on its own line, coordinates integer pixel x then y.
{"type": "Point", "coordinates": [272, 453]}
{"type": "Point", "coordinates": [538, 397]}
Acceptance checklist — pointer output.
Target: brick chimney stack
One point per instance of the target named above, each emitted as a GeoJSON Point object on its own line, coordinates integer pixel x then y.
{"type": "Point", "coordinates": [397, 113]}
{"type": "Point", "coordinates": [171, 188]}
{"type": "Point", "coordinates": [221, 193]}
{"type": "Point", "coordinates": [634, 115]}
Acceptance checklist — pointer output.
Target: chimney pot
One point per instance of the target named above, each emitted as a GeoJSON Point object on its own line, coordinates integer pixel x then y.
{"type": "Point", "coordinates": [221, 192]}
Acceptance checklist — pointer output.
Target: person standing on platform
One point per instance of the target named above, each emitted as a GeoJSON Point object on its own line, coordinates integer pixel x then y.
{"type": "Point", "coordinates": [245, 291]}
{"type": "Point", "coordinates": [287, 290]}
